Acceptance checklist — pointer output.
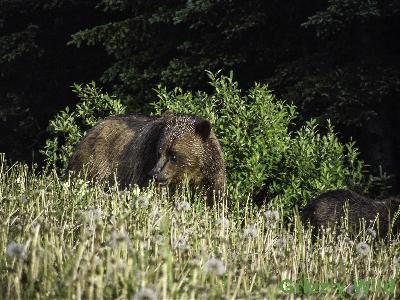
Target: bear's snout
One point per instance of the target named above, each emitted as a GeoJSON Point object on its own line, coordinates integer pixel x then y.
{"type": "Point", "coordinates": [158, 177]}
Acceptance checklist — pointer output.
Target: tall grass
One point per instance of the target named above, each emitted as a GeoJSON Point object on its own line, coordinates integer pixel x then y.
{"type": "Point", "coordinates": [63, 239]}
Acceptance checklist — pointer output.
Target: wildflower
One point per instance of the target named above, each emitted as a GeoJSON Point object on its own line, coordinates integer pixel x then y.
{"type": "Point", "coordinates": [214, 266]}
{"type": "Point", "coordinates": [183, 206]}
{"type": "Point", "coordinates": [142, 202]}
{"type": "Point", "coordinates": [118, 237]}
{"type": "Point", "coordinates": [145, 294]}
{"type": "Point", "coordinates": [16, 250]}
{"type": "Point", "coordinates": [250, 232]}
{"type": "Point", "coordinates": [181, 244]}
{"type": "Point", "coordinates": [362, 248]}
{"type": "Point", "coordinates": [97, 260]}
{"type": "Point", "coordinates": [223, 222]}
{"type": "Point", "coordinates": [371, 232]}
{"type": "Point", "coordinates": [93, 215]}
{"type": "Point", "coordinates": [280, 243]}
{"type": "Point", "coordinates": [124, 194]}
{"type": "Point", "coordinates": [396, 261]}
{"type": "Point", "coordinates": [159, 239]}
{"type": "Point", "coordinates": [23, 199]}
{"type": "Point", "coordinates": [348, 241]}
{"type": "Point", "coordinates": [272, 217]}
{"type": "Point", "coordinates": [350, 290]}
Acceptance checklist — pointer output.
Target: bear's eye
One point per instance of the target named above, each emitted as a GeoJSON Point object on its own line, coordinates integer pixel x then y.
{"type": "Point", "coordinates": [172, 157]}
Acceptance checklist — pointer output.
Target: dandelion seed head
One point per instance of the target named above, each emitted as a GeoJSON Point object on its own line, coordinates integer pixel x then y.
{"type": "Point", "coordinates": [371, 232]}
{"type": "Point", "coordinates": [272, 217]}
{"type": "Point", "coordinates": [350, 290]}
{"type": "Point", "coordinates": [145, 294]}
{"type": "Point", "coordinates": [280, 243]}
{"type": "Point", "coordinates": [119, 237]}
{"type": "Point", "coordinates": [363, 248]}
{"type": "Point", "coordinates": [23, 199]}
{"type": "Point", "coordinates": [181, 244]}
{"type": "Point", "coordinates": [142, 201]}
{"type": "Point", "coordinates": [250, 232]}
{"type": "Point", "coordinates": [214, 266]}
{"type": "Point", "coordinates": [124, 195]}
{"type": "Point", "coordinates": [223, 222]}
{"type": "Point", "coordinates": [159, 239]}
{"type": "Point", "coordinates": [93, 215]}
{"type": "Point", "coordinates": [183, 206]}
{"type": "Point", "coordinates": [16, 250]}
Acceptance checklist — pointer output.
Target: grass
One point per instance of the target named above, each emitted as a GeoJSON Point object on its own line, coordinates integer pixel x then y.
{"type": "Point", "coordinates": [64, 239]}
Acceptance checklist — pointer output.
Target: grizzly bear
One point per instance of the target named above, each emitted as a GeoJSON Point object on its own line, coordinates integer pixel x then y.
{"type": "Point", "coordinates": [169, 149]}
{"type": "Point", "coordinates": [327, 209]}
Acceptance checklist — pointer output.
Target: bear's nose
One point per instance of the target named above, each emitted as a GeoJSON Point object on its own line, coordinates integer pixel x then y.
{"type": "Point", "coordinates": [153, 174]}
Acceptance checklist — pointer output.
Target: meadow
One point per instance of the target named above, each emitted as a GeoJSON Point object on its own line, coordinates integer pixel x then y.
{"type": "Point", "coordinates": [70, 239]}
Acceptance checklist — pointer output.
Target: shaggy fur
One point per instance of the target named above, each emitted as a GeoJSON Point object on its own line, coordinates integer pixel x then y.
{"type": "Point", "coordinates": [169, 149]}
{"type": "Point", "coordinates": [327, 210]}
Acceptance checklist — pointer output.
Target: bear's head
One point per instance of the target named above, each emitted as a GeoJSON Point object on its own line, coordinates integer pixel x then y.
{"type": "Point", "coordinates": [183, 150]}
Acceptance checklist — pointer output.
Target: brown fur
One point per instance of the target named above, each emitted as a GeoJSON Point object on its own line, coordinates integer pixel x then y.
{"type": "Point", "coordinates": [168, 148]}
{"type": "Point", "coordinates": [327, 210]}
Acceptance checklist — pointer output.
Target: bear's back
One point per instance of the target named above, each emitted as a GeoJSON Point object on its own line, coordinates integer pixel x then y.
{"type": "Point", "coordinates": [125, 143]}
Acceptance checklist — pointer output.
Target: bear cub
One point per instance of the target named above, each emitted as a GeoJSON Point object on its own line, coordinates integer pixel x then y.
{"type": "Point", "coordinates": [327, 209]}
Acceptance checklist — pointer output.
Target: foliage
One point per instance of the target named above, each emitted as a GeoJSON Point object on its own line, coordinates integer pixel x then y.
{"type": "Point", "coordinates": [68, 127]}
{"type": "Point", "coordinates": [262, 155]}
{"type": "Point", "coordinates": [69, 240]}
{"type": "Point", "coordinates": [342, 13]}
{"type": "Point", "coordinates": [173, 42]}
{"type": "Point", "coordinates": [130, 46]}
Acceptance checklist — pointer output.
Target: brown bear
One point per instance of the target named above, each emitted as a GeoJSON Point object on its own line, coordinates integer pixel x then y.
{"type": "Point", "coordinates": [327, 209]}
{"type": "Point", "coordinates": [168, 149]}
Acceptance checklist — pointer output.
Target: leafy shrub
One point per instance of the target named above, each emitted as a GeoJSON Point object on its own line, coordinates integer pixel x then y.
{"type": "Point", "coordinates": [263, 157]}
{"type": "Point", "coordinates": [68, 127]}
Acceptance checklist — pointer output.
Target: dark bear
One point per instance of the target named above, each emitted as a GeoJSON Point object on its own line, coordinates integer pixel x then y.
{"type": "Point", "coordinates": [327, 209]}
{"type": "Point", "coordinates": [139, 148]}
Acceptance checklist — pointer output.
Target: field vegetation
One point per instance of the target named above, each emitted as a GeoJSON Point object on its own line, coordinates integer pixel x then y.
{"type": "Point", "coordinates": [77, 239]}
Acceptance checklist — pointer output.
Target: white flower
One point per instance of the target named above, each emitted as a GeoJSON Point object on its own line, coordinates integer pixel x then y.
{"type": "Point", "coordinates": [371, 232]}
{"type": "Point", "coordinates": [16, 250]}
{"type": "Point", "coordinates": [350, 290]}
{"type": "Point", "coordinates": [181, 243]}
{"type": "Point", "coordinates": [142, 202]}
{"type": "Point", "coordinates": [145, 294]}
{"type": "Point", "coordinates": [250, 232]}
{"type": "Point", "coordinates": [124, 194]}
{"type": "Point", "coordinates": [159, 239]}
{"type": "Point", "coordinates": [223, 222]}
{"type": "Point", "coordinates": [272, 217]}
{"type": "Point", "coordinates": [280, 243]}
{"type": "Point", "coordinates": [363, 248]}
{"type": "Point", "coordinates": [118, 237]}
{"type": "Point", "coordinates": [183, 206]}
{"type": "Point", "coordinates": [214, 266]}
{"type": "Point", "coordinates": [93, 215]}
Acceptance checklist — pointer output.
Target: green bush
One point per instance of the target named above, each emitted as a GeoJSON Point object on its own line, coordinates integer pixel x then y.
{"type": "Point", "coordinates": [263, 157]}
{"type": "Point", "coordinates": [68, 127]}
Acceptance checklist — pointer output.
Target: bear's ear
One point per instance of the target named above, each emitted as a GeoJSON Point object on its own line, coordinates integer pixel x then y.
{"type": "Point", "coordinates": [203, 128]}
{"type": "Point", "coordinates": [167, 113]}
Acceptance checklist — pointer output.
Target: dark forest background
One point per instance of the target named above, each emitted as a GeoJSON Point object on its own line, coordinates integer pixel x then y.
{"type": "Point", "coordinates": [337, 59]}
